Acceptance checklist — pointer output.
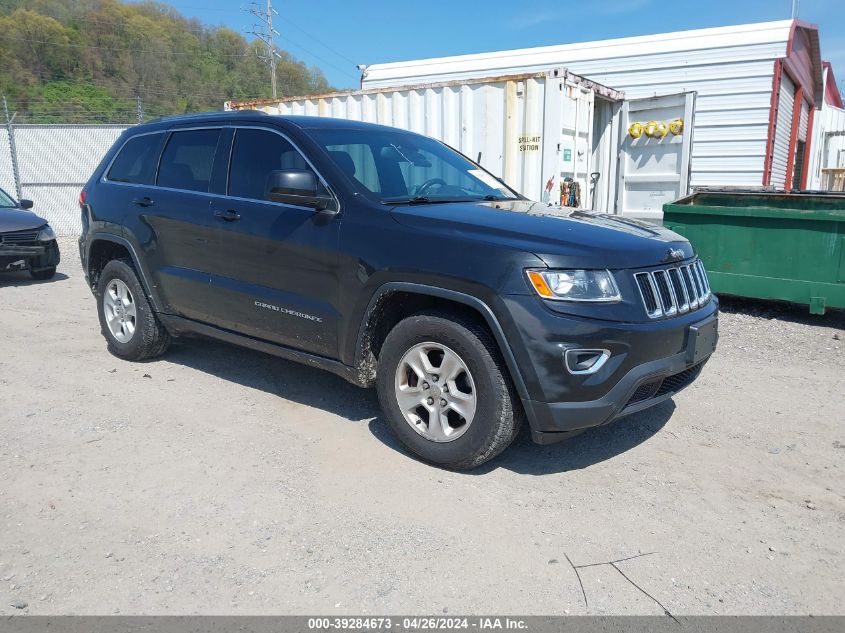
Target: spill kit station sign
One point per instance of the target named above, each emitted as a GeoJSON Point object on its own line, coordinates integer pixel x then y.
{"type": "Point", "coordinates": [529, 143]}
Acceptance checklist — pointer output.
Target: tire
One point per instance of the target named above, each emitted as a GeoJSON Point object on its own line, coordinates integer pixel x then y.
{"type": "Point", "coordinates": [43, 273]}
{"type": "Point", "coordinates": [497, 415]}
{"type": "Point", "coordinates": [141, 335]}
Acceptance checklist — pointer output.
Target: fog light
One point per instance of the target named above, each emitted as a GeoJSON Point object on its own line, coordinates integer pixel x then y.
{"type": "Point", "coordinates": [585, 361]}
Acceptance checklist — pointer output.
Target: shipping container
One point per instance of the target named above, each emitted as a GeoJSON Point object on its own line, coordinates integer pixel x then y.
{"type": "Point", "coordinates": [554, 136]}
{"type": "Point", "coordinates": [532, 129]}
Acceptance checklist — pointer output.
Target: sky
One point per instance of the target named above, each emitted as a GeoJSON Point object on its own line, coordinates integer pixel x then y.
{"type": "Point", "coordinates": [337, 35]}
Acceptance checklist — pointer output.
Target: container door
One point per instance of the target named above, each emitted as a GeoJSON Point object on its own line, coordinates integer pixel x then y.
{"type": "Point", "coordinates": [576, 147]}
{"type": "Point", "coordinates": [654, 154]}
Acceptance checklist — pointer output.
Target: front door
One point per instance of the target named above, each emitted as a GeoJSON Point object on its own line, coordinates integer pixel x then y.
{"type": "Point", "coordinates": [274, 272]}
{"type": "Point", "coordinates": [654, 155]}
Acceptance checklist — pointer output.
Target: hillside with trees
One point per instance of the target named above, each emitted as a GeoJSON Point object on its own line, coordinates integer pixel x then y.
{"type": "Point", "coordinates": [94, 61]}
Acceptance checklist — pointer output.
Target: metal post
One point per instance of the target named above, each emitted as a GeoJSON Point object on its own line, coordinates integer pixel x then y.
{"type": "Point", "coordinates": [266, 17]}
{"type": "Point", "coordinates": [12, 148]}
{"type": "Point", "coordinates": [139, 107]}
{"type": "Point", "coordinates": [272, 47]}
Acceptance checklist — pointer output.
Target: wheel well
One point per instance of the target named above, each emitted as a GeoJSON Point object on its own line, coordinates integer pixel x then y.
{"type": "Point", "coordinates": [390, 309]}
{"type": "Point", "coordinates": [101, 253]}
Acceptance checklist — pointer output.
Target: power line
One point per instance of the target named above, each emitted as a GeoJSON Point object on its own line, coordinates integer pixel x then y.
{"type": "Point", "coordinates": [319, 41]}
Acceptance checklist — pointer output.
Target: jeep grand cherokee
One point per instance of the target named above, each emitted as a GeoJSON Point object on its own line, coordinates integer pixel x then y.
{"type": "Point", "coordinates": [393, 261]}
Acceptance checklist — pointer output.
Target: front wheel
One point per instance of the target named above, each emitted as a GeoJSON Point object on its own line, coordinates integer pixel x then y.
{"type": "Point", "coordinates": [128, 323]}
{"type": "Point", "coordinates": [445, 390]}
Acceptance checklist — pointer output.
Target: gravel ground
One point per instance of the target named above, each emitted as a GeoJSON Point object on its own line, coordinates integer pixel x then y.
{"type": "Point", "coordinates": [217, 480]}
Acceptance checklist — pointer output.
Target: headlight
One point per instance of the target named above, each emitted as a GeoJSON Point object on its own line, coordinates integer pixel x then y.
{"type": "Point", "coordinates": [46, 234]}
{"type": "Point", "coordinates": [574, 285]}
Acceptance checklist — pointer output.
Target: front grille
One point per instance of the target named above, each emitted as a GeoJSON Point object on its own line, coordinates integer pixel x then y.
{"type": "Point", "coordinates": [663, 386]}
{"type": "Point", "coordinates": [644, 392]}
{"type": "Point", "coordinates": [672, 291]}
{"type": "Point", "coordinates": [19, 237]}
{"type": "Point", "coordinates": [678, 381]}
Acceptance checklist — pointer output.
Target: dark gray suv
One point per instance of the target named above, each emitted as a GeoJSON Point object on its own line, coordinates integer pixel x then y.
{"type": "Point", "coordinates": [393, 261]}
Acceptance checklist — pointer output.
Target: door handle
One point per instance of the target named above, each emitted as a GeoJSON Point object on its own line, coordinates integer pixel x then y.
{"type": "Point", "coordinates": [143, 202]}
{"type": "Point", "coordinates": [229, 215]}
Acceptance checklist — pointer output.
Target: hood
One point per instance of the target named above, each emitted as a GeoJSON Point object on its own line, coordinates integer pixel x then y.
{"type": "Point", "coordinates": [19, 220]}
{"type": "Point", "coordinates": [560, 236]}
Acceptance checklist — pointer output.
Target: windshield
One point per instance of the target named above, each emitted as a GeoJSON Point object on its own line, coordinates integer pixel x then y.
{"type": "Point", "coordinates": [6, 202]}
{"type": "Point", "coordinates": [401, 168]}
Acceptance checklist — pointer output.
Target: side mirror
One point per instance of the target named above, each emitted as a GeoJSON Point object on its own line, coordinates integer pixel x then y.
{"type": "Point", "coordinates": [296, 186]}
{"type": "Point", "coordinates": [25, 204]}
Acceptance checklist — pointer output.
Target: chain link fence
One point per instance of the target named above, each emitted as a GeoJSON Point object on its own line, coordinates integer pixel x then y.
{"type": "Point", "coordinates": [49, 164]}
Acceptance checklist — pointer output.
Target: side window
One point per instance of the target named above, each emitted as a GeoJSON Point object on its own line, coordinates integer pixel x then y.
{"type": "Point", "coordinates": [357, 161]}
{"type": "Point", "coordinates": [136, 161]}
{"type": "Point", "coordinates": [187, 160]}
{"type": "Point", "coordinates": [256, 153]}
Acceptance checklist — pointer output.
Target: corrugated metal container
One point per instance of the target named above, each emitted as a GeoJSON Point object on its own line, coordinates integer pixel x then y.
{"type": "Point", "coordinates": [529, 129]}
{"type": "Point", "coordinates": [730, 68]}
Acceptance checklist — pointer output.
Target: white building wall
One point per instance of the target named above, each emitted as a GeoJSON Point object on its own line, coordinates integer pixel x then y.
{"type": "Point", "coordinates": [827, 148]}
{"type": "Point", "coordinates": [731, 69]}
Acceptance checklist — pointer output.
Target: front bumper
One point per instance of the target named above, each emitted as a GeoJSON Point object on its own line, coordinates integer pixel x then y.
{"type": "Point", "coordinates": [37, 256]}
{"type": "Point", "coordinates": [649, 363]}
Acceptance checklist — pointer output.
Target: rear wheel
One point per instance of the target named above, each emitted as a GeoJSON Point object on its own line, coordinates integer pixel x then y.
{"type": "Point", "coordinates": [445, 390]}
{"type": "Point", "coordinates": [128, 323]}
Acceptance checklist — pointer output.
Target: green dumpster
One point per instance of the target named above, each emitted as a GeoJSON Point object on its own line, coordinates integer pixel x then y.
{"type": "Point", "coordinates": [768, 245]}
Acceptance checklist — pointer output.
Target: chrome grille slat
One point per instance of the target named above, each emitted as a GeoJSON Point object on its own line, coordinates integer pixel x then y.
{"type": "Point", "coordinates": [674, 290]}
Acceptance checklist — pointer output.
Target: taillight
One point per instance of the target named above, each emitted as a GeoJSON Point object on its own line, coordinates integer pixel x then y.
{"type": "Point", "coordinates": [82, 198]}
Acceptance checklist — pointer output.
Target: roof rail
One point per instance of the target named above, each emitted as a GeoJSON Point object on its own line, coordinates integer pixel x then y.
{"type": "Point", "coordinates": [207, 115]}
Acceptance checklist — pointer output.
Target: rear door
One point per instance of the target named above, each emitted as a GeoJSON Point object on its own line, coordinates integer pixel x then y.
{"type": "Point", "coordinates": [177, 210]}
{"type": "Point", "coordinates": [654, 155]}
{"type": "Point", "coordinates": [274, 266]}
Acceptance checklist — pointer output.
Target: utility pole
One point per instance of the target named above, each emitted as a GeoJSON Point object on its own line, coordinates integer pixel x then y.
{"type": "Point", "coordinates": [139, 109]}
{"type": "Point", "coordinates": [795, 4]}
{"type": "Point", "coordinates": [12, 148]}
{"type": "Point", "coordinates": [265, 34]}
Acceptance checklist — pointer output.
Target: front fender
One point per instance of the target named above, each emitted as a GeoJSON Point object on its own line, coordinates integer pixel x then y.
{"type": "Point", "coordinates": [509, 347]}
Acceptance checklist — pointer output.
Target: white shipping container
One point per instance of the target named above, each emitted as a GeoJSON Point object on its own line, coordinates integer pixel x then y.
{"type": "Point", "coordinates": [530, 129]}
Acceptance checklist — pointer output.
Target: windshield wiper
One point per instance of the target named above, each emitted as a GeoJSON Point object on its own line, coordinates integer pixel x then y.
{"type": "Point", "coordinates": [412, 200]}
{"type": "Point", "coordinates": [421, 200]}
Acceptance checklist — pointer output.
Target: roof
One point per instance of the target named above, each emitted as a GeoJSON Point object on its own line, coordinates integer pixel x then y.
{"type": "Point", "coordinates": [328, 123]}
{"type": "Point", "coordinates": [302, 122]}
{"type": "Point", "coordinates": [202, 116]}
{"type": "Point", "coordinates": [562, 54]}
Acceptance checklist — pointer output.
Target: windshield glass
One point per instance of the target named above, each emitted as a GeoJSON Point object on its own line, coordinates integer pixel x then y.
{"type": "Point", "coordinates": [6, 201]}
{"type": "Point", "coordinates": [401, 168]}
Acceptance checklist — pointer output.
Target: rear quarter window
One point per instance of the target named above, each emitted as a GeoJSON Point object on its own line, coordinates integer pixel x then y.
{"type": "Point", "coordinates": [137, 159]}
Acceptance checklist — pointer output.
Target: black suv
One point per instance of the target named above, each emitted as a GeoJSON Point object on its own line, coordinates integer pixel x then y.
{"type": "Point", "coordinates": [393, 261]}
